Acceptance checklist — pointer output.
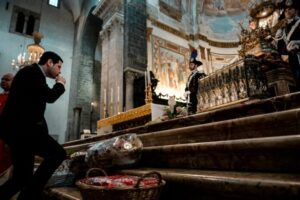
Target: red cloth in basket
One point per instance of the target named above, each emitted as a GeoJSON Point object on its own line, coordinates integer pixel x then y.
{"type": "Point", "coordinates": [119, 181]}
{"type": "Point", "coordinates": [121, 187]}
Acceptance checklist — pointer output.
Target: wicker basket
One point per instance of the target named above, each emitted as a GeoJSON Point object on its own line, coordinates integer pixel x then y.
{"type": "Point", "coordinates": [91, 192]}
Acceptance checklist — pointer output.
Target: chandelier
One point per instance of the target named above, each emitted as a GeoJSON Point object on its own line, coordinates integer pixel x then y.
{"type": "Point", "coordinates": [33, 54]}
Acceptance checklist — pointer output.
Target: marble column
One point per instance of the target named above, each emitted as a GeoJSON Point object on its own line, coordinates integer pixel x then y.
{"type": "Point", "coordinates": [129, 79]}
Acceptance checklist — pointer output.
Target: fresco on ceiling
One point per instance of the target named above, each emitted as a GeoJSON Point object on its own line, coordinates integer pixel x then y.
{"type": "Point", "coordinates": [220, 19]}
{"type": "Point", "coordinates": [224, 7]}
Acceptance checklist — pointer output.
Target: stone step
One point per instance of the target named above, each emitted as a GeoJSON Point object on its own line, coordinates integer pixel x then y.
{"type": "Point", "coordinates": [268, 154]}
{"type": "Point", "coordinates": [210, 185]}
{"type": "Point", "coordinates": [249, 108]}
{"type": "Point", "coordinates": [263, 125]}
{"type": "Point", "coordinates": [215, 185]}
{"type": "Point", "coordinates": [63, 193]}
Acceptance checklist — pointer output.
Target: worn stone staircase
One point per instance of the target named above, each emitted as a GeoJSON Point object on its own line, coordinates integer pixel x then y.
{"type": "Point", "coordinates": [244, 151]}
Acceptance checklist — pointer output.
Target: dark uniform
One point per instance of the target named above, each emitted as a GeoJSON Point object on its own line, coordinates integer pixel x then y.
{"type": "Point", "coordinates": [192, 87]}
{"type": "Point", "coordinates": [287, 34]}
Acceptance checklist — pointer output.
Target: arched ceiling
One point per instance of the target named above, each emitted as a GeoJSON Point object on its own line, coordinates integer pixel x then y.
{"type": "Point", "coordinates": [218, 19]}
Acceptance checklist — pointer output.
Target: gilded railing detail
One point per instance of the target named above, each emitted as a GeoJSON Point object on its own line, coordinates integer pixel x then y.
{"type": "Point", "coordinates": [126, 116]}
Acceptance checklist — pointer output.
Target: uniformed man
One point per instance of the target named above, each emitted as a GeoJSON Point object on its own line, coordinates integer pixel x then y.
{"type": "Point", "coordinates": [192, 85]}
{"type": "Point", "coordinates": [288, 38]}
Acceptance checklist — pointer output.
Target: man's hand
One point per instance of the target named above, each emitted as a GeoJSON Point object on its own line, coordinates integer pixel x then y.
{"type": "Point", "coordinates": [186, 94]}
{"type": "Point", "coordinates": [293, 45]}
{"type": "Point", "coordinates": [60, 79]}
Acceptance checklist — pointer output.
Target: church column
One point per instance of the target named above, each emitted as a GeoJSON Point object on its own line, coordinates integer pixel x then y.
{"type": "Point", "coordinates": [104, 91]}
{"type": "Point", "coordinates": [129, 79]}
{"type": "Point", "coordinates": [112, 64]}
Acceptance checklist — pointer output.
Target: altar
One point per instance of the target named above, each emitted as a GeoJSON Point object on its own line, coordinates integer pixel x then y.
{"type": "Point", "coordinates": [131, 118]}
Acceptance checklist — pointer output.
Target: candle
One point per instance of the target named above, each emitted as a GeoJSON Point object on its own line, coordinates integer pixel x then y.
{"type": "Point", "coordinates": [112, 95]}
{"type": "Point", "coordinates": [118, 90]}
{"type": "Point", "coordinates": [19, 58]}
{"type": "Point", "coordinates": [145, 79]}
{"type": "Point", "coordinates": [104, 99]}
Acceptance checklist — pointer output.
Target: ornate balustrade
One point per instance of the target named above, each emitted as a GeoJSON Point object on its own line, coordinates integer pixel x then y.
{"type": "Point", "coordinates": [234, 83]}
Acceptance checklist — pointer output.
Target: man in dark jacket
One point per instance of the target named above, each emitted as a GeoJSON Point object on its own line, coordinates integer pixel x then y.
{"type": "Point", "coordinates": [24, 129]}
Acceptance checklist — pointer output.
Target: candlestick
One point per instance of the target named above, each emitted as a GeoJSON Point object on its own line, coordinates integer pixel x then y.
{"type": "Point", "coordinates": [118, 91]}
{"type": "Point", "coordinates": [149, 78]}
{"type": "Point", "coordinates": [104, 112]}
{"type": "Point", "coordinates": [145, 80]}
{"type": "Point", "coordinates": [112, 95]}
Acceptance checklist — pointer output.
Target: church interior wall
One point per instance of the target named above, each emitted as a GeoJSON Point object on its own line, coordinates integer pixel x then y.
{"type": "Point", "coordinates": [55, 39]}
{"type": "Point", "coordinates": [213, 57]}
{"type": "Point", "coordinates": [64, 28]}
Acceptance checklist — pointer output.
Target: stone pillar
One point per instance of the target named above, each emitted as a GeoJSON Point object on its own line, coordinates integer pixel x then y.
{"type": "Point", "coordinates": [129, 79]}
{"type": "Point", "coordinates": [135, 35]}
{"type": "Point", "coordinates": [83, 81]}
{"type": "Point", "coordinates": [112, 64]}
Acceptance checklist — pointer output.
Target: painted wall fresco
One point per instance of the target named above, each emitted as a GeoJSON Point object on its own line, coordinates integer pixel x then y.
{"type": "Point", "coordinates": [170, 67]}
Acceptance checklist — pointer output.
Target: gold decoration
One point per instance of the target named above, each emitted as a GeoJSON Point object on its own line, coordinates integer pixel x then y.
{"type": "Point", "coordinates": [148, 91]}
{"type": "Point", "coordinates": [126, 116]}
{"type": "Point", "coordinates": [262, 10]}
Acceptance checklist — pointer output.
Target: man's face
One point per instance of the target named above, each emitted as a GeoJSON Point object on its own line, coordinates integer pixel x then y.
{"type": "Point", "coordinates": [192, 66]}
{"type": "Point", "coordinates": [290, 13]}
{"type": "Point", "coordinates": [6, 81]}
{"type": "Point", "coordinates": [252, 25]}
{"type": "Point", "coordinates": [53, 69]}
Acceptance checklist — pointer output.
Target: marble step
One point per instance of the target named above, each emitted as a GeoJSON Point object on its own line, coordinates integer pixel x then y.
{"type": "Point", "coordinates": [216, 185]}
{"type": "Point", "coordinates": [63, 193]}
{"type": "Point", "coordinates": [269, 154]}
{"type": "Point", "coordinates": [263, 125]}
{"type": "Point", "coordinates": [249, 108]}
{"type": "Point", "coordinates": [210, 185]}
